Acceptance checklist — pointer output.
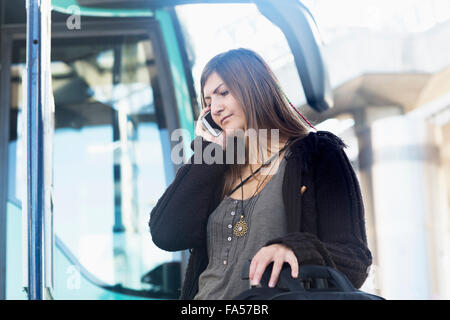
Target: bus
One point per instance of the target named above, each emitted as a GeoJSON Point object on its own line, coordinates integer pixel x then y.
{"type": "Point", "coordinates": [99, 86]}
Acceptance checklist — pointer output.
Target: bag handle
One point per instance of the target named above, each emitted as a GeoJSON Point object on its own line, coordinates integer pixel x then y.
{"type": "Point", "coordinates": [306, 272]}
{"type": "Point", "coordinates": [285, 281]}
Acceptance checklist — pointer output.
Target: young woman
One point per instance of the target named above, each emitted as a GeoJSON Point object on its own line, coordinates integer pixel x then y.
{"type": "Point", "coordinates": [305, 208]}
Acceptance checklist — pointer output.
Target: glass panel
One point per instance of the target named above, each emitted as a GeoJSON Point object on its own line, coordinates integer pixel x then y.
{"type": "Point", "coordinates": [226, 26]}
{"type": "Point", "coordinates": [109, 168]}
{"type": "Point", "coordinates": [14, 260]}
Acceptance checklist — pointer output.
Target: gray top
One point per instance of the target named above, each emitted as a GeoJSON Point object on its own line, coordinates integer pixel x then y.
{"type": "Point", "coordinates": [226, 252]}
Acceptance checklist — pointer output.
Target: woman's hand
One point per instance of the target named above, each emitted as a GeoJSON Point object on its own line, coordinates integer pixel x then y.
{"type": "Point", "coordinates": [276, 253]}
{"type": "Point", "coordinates": [201, 131]}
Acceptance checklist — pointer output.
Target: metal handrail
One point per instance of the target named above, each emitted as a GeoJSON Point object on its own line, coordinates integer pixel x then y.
{"type": "Point", "coordinates": [34, 143]}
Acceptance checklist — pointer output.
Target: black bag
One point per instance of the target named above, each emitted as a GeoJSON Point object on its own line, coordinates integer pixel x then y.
{"type": "Point", "coordinates": [313, 283]}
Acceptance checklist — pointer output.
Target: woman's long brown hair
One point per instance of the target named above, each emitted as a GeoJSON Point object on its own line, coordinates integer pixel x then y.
{"type": "Point", "coordinates": [253, 84]}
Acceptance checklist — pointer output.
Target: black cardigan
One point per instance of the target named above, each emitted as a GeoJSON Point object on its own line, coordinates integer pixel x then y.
{"type": "Point", "coordinates": [326, 223]}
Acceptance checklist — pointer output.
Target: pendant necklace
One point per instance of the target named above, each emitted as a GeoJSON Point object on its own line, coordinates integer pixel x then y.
{"type": "Point", "coordinates": [241, 227]}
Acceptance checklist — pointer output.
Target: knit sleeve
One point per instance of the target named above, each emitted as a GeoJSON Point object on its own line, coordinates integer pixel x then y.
{"type": "Point", "coordinates": [178, 221]}
{"type": "Point", "coordinates": [341, 238]}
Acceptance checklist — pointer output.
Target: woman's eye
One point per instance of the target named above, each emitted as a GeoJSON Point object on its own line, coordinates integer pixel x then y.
{"type": "Point", "coordinates": [224, 93]}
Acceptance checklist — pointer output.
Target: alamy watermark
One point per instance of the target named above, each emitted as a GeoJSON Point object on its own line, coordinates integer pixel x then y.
{"type": "Point", "coordinates": [74, 278]}
{"type": "Point", "coordinates": [231, 149]}
{"type": "Point", "coordinates": [73, 22]}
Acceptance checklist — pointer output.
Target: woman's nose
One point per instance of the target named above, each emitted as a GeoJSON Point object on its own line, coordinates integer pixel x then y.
{"type": "Point", "coordinates": [216, 108]}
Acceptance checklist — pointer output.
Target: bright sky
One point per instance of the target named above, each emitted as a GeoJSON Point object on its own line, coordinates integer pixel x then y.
{"type": "Point", "coordinates": [214, 28]}
{"type": "Point", "coordinates": [403, 16]}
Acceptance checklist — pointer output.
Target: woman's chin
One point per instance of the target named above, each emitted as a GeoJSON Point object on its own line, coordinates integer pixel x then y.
{"type": "Point", "coordinates": [232, 129]}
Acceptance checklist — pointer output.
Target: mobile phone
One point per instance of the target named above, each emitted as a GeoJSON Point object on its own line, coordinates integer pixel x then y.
{"type": "Point", "coordinates": [210, 125]}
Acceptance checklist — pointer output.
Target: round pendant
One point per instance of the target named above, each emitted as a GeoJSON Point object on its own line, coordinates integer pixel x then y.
{"type": "Point", "coordinates": [240, 228]}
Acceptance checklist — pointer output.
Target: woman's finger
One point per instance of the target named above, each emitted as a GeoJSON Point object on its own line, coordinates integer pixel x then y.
{"type": "Point", "coordinates": [199, 128]}
{"type": "Point", "coordinates": [261, 266]}
{"type": "Point", "coordinates": [276, 269]}
{"type": "Point", "coordinates": [293, 262]}
{"type": "Point", "coordinates": [252, 269]}
{"type": "Point", "coordinates": [203, 112]}
{"type": "Point", "coordinates": [255, 261]}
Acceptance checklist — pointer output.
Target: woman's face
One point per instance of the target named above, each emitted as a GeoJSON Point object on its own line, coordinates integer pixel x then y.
{"type": "Point", "coordinates": [225, 109]}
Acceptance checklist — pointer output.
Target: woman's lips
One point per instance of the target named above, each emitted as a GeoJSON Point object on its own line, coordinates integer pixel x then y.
{"type": "Point", "coordinates": [225, 119]}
